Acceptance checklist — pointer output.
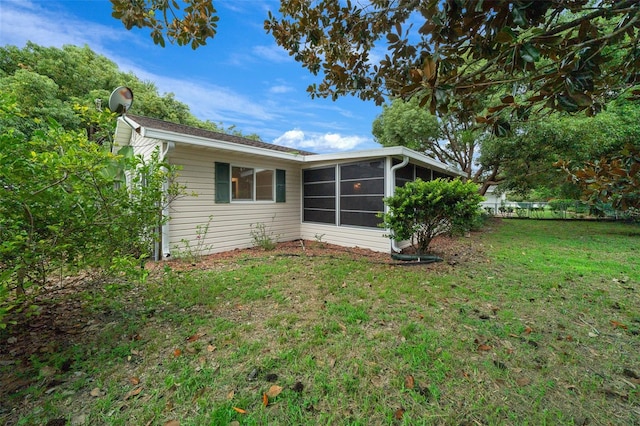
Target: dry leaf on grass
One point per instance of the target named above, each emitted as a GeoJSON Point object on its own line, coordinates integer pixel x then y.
{"type": "Point", "coordinates": [172, 423]}
{"type": "Point", "coordinates": [523, 381]}
{"type": "Point", "coordinates": [399, 414]}
{"type": "Point", "coordinates": [194, 337]}
{"type": "Point", "coordinates": [96, 392]}
{"type": "Point", "coordinates": [265, 399]}
{"type": "Point", "coordinates": [177, 353]}
{"type": "Point", "coordinates": [274, 391]}
{"type": "Point", "coordinates": [134, 392]}
{"type": "Point", "coordinates": [134, 380]}
{"type": "Point", "coordinates": [409, 382]}
{"type": "Point", "coordinates": [617, 324]}
{"type": "Point", "coordinates": [240, 410]}
{"type": "Point", "coordinates": [484, 347]}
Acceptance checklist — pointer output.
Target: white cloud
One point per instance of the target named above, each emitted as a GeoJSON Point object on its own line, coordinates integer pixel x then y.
{"type": "Point", "coordinates": [318, 142]}
{"type": "Point", "coordinates": [22, 21]}
{"type": "Point", "coordinates": [279, 89]}
{"type": "Point", "coordinates": [272, 53]}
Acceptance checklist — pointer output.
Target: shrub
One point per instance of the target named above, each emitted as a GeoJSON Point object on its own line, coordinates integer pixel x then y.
{"type": "Point", "coordinates": [66, 207]}
{"type": "Point", "coordinates": [421, 210]}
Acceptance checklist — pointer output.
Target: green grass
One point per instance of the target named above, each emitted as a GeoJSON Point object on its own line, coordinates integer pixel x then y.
{"type": "Point", "coordinates": [541, 326]}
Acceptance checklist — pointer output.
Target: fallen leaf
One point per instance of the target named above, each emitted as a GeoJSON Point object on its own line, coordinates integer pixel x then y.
{"type": "Point", "coordinates": [134, 380]}
{"type": "Point", "coordinates": [191, 350]}
{"type": "Point", "coordinates": [617, 324]}
{"type": "Point", "coordinates": [231, 394]}
{"type": "Point", "coordinates": [409, 382]}
{"type": "Point", "coordinates": [523, 381]}
{"type": "Point", "coordinates": [172, 423]}
{"type": "Point", "coordinates": [484, 347]}
{"type": "Point", "coordinates": [134, 392]}
{"type": "Point", "coordinates": [274, 391]}
{"type": "Point", "coordinates": [211, 348]}
{"type": "Point", "coordinates": [265, 399]}
{"type": "Point", "coordinates": [399, 413]}
{"type": "Point", "coordinates": [194, 337]}
{"type": "Point", "coordinates": [96, 392]}
{"type": "Point", "coordinates": [528, 330]}
{"type": "Point", "coordinates": [240, 410]}
{"type": "Point", "coordinates": [177, 353]}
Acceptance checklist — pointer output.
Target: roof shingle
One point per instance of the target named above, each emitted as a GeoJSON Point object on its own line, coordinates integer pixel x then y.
{"type": "Point", "coordinates": [154, 123]}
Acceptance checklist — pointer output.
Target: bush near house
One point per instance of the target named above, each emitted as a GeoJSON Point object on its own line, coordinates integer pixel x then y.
{"type": "Point", "coordinates": [66, 208]}
{"type": "Point", "coordinates": [420, 211]}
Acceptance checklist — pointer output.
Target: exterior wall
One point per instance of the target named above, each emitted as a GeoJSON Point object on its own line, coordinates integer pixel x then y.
{"type": "Point", "coordinates": [230, 226]}
{"type": "Point", "coordinates": [144, 146]}
{"type": "Point", "coordinates": [347, 236]}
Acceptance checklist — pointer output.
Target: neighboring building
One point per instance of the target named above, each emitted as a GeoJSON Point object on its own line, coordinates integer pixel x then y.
{"type": "Point", "coordinates": [295, 194]}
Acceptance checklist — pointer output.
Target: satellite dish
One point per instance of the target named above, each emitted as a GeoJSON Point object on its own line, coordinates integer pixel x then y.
{"type": "Point", "coordinates": [120, 100]}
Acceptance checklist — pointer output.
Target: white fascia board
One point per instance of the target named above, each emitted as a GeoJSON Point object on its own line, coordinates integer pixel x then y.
{"type": "Point", "coordinates": [383, 152]}
{"type": "Point", "coordinates": [218, 144]}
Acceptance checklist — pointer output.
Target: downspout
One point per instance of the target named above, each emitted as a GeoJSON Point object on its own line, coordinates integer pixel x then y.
{"type": "Point", "coordinates": [392, 185]}
{"type": "Point", "coordinates": [166, 250]}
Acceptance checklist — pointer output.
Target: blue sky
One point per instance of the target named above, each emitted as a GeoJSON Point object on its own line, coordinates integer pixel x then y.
{"type": "Point", "coordinates": [240, 78]}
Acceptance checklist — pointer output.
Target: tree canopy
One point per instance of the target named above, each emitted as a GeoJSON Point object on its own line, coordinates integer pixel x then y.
{"type": "Point", "coordinates": [53, 82]}
{"type": "Point", "coordinates": [561, 55]}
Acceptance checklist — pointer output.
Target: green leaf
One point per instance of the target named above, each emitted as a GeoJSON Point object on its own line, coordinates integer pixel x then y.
{"type": "Point", "coordinates": [529, 53]}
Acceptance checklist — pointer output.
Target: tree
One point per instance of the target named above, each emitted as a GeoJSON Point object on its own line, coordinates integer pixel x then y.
{"type": "Point", "coordinates": [552, 54]}
{"type": "Point", "coordinates": [526, 157]}
{"type": "Point", "coordinates": [452, 138]}
{"type": "Point", "coordinates": [194, 26]}
{"type": "Point", "coordinates": [52, 83]}
{"type": "Point", "coordinates": [66, 207]}
{"type": "Point", "coordinates": [419, 211]}
{"type": "Point", "coordinates": [562, 55]}
{"type": "Point", "coordinates": [613, 180]}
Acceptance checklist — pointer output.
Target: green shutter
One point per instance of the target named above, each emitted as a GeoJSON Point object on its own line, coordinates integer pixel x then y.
{"type": "Point", "coordinates": [281, 192]}
{"type": "Point", "coordinates": [223, 184]}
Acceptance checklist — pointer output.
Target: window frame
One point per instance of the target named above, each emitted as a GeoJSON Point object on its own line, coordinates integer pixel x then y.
{"type": "Point", "coordinates": [224, 184]}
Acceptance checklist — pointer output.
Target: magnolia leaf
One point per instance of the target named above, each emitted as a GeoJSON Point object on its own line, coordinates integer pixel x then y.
{"type": "Point", "coordinates": [529, 53]}
{"type": "Point", "coordinates": [409, 382]}
{"type": "Point", "coordinates": [429, 69]}
{"type": "Point", "coordinates": [274, 391]}
{"type": "Point", "coordinates": [133, 392]}
{"type": "Point", "coordinates": [240, 410]}
{"type": "Point", "coordinates": [505, 36]}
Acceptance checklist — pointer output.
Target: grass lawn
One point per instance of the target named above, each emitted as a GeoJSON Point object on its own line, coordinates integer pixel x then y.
{"type": "Point", "coordinates": [527, 322]}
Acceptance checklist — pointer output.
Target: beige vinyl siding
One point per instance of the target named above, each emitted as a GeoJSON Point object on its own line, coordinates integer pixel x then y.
{"type": "Point", "coordinates": [347, 236]}
{"type": "Point", "coordinates": [230, 226]}
{"type": "Point", "coordinates": [144, 146]}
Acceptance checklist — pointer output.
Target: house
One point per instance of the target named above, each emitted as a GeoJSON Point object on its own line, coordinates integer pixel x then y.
{"type": "Point", "coordinates": [296, 194]}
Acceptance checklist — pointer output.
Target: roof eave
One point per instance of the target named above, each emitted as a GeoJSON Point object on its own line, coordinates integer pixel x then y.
{"type": "Point", "coordinates": [217, 144]}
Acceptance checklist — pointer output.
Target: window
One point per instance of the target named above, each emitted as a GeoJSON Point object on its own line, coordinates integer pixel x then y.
{"type": "Point", "coordinates": [361, 193]}
{"type": "Point", "coordinates": [404, 174]}
{"type": "Point", "coordinates": [319, 202]}
{"type": "Point", "coordinates": [249, 184]}
{"type": "Point", "coordinates": [241, 183]}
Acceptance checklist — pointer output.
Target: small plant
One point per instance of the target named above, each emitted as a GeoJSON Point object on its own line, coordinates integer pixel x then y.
{"type": "Point", "coordinates": [263, 236]}
{"type": "Point", "coordinates": [318, 238]}
{"type": "Point", "coordinates": [193, 252]}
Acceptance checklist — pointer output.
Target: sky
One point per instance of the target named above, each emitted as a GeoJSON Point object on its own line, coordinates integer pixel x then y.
{"type": "Point", "coordinates": [241, 78]}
